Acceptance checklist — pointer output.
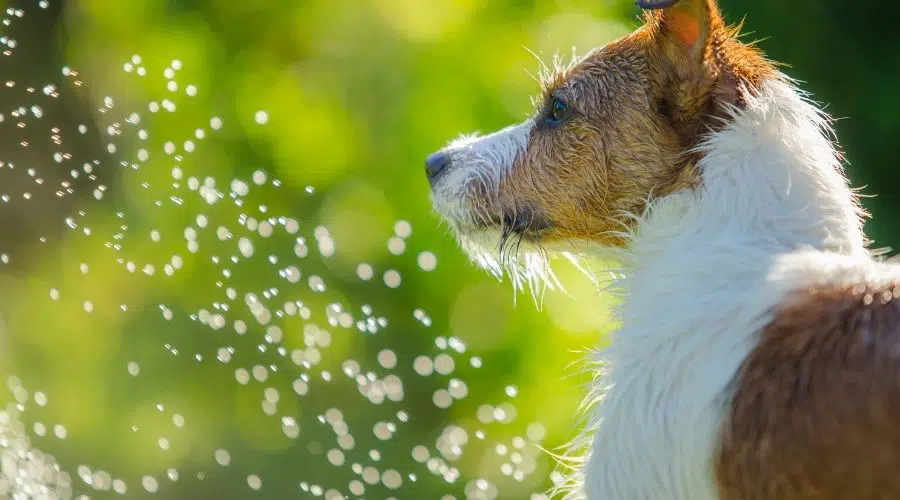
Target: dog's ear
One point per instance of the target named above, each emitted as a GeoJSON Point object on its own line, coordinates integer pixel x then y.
{"type": "Point", "coordinates": [690, 68]}
{"type": "Point", "coordinates": [687, 32]}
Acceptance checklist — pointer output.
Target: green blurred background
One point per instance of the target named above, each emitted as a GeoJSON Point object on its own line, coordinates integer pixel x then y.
{"type": "Point", "coordinates": [357, 93]}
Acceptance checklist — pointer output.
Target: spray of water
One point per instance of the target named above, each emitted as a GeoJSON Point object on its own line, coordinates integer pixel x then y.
{"type": "Point", "coordinates": [335, 391]}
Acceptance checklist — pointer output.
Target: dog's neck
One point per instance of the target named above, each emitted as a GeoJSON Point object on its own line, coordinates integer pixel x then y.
{"type": "Point", "coordinates": [697, 290]}
{"type": "Point", "coordinates": [772, 182]}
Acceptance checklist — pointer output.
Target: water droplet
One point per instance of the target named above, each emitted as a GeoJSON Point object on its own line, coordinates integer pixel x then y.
{"type": "Point", "coordinates": [392, 479]}
{"type": "Point", "coordinates": [423, 365]}
{"type": "Point", "coordinates": [427, 261]}
{"type": "Point", "coordinates": [392, 278]}
{"type": "Point", "coordinates": [222, 457]}
{"type": "Point", "coordinates": [396, 245]}
{"type": "Point", "coordinates": [150, 484]}
{"type": "Point", "coordinates": [365, 272]}
{"type": "Point", "coordinates": [387, 359]}
{"type": "Point", "coordinates": [259, 177]}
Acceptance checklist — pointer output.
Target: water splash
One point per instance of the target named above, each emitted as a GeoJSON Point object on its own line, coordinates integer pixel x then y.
{"type": "Point", "coordinates": [321, 375]}
{"type": "Point", "coordinates": [25, 471]}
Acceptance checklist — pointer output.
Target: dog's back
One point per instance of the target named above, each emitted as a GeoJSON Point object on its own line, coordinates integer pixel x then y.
{"type": "Point", "coordinates": [815, 405]}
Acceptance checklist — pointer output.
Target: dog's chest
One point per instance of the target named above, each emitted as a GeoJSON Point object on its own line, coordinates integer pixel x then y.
{"type": "Point", "coordinates": [669, 379]}
{"type": "Point", "coordinates": [658, 434]}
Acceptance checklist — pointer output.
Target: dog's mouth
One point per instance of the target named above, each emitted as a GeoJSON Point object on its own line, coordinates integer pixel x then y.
{"type": "Point", "coordinates": [526, 223]}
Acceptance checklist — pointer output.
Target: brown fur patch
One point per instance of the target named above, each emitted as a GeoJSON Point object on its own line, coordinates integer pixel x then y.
{"type": "Point", "coordinates": [639, 105]}
{"type": "Point", "coordinates": [816, 409]}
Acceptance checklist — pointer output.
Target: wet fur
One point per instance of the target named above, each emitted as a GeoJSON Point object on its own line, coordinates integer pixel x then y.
{"type": "Point", "coordinates": [716, 184]}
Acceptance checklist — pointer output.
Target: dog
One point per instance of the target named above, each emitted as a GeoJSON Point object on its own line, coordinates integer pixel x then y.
{"type": "Point", "coordinates": [758, 356]}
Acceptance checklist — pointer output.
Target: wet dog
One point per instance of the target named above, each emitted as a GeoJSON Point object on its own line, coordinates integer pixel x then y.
{"type": "Point", "coordinates": [759, 350]}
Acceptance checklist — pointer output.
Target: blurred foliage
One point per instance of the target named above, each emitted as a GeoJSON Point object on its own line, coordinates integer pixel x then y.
{"type": "Point", "coordinates": [357, 92]}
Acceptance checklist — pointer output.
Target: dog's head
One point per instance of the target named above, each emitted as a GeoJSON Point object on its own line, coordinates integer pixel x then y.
{"type": "Point", "coordinates": [611, 131]}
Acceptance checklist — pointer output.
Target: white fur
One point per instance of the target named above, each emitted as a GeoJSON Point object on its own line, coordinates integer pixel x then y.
{"type": "Point", "coordinates": [704, 271]}
{"type": "Point", "coordinates": [477, 160]}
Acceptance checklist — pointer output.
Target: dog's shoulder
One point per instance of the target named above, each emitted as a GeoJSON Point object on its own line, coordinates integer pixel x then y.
{"type": "Point", "coordinates": [816, 405]}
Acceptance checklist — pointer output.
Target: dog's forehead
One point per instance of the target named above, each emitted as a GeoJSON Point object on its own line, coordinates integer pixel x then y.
{"type": "Point", "coordinates": [619, 58]}
{"type": "Point", "coordinates": [614, 65]}
{"type": "Point", "coordinates": [620, 55]}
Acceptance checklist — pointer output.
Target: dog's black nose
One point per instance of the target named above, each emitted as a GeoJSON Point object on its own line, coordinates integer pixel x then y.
{"type": "Point", "coordinates": [435, 164]}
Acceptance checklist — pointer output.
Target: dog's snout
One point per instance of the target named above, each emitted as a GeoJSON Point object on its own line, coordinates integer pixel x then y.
{"type": "Point", "coordinates": [436, 164]}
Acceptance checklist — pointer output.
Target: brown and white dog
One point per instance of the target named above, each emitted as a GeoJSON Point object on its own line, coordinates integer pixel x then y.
{"type": "Point", "coordinates": [759, 351]}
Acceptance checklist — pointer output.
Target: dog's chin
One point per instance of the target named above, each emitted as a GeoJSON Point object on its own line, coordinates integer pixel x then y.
{"type": "Point", "coordinates": [502, 242]}
{"type": "Point", "coordinates": [516, 256]}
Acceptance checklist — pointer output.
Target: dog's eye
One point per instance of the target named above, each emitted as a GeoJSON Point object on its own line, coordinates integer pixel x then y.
{"type": "Point", "coordinates": [558, 111]}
